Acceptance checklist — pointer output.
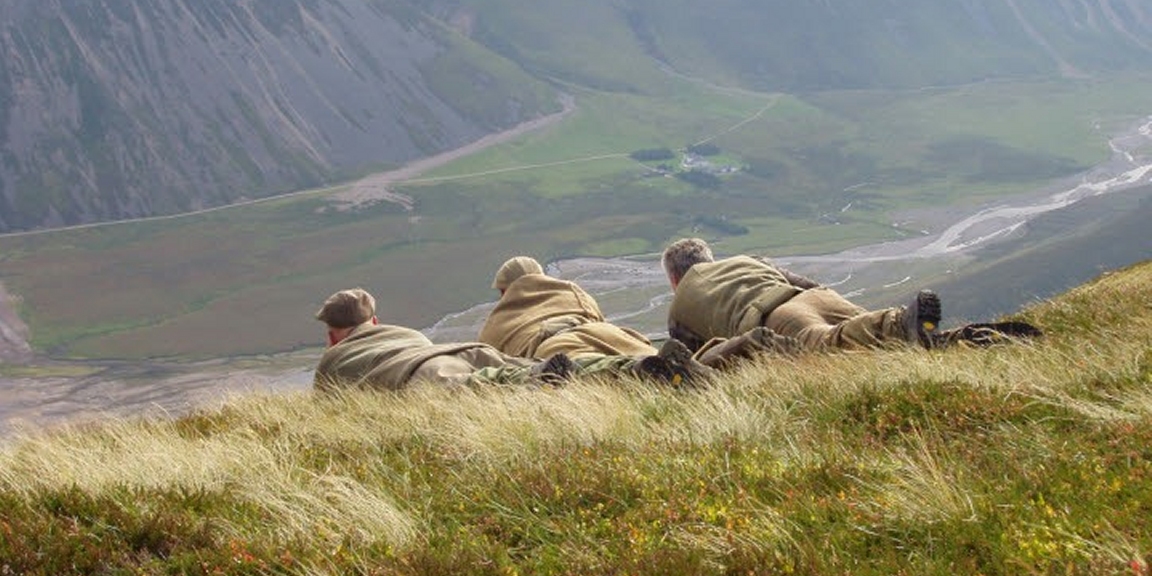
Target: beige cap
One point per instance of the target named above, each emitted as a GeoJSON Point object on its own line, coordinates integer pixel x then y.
{"type": "Point", "coordinates": [347, 308]}
{"type": "Point", "coordinates": [513, 269]}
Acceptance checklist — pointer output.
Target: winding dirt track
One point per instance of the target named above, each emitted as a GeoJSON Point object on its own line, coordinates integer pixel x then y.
{"type": "Point", "coordinates": [378, 186]}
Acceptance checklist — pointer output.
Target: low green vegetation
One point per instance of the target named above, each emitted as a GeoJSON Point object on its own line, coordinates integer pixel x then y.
{"type": "Point", "coordinates": [1020, 458]}
{"type": "Point", "coordinates": [46, 371]}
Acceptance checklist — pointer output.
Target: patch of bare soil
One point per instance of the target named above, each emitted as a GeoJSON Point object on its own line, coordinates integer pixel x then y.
{"type": "Point", "coordinates": [13, 332]}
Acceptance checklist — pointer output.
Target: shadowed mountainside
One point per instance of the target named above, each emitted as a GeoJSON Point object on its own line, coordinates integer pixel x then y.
{"type": "Point", "coordinates": [1065, 248]}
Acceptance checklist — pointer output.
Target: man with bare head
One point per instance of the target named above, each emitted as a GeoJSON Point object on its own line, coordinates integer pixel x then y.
{"type": "Point", "coordinates": [539, 315]}
{"type": "Point", "coordinates": [741, 295]}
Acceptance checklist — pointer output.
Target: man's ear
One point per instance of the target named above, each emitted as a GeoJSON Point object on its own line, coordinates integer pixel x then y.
{"type": "Point", "coordinates": [332, 340]}
{"type": "Point", "coordinates": [374, 321]}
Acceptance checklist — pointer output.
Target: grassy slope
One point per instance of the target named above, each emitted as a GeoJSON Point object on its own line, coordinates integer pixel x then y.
{"type": "Point", "coordinates": [585, 43]}
{"type": "Point", "coordinates": [1015, 459]}
{"type": "Point", "coordinates": [244, 281]}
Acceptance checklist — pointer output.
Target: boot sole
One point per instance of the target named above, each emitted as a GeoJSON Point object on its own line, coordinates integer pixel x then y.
{"type": "Point", "coordinates": [927, 316]}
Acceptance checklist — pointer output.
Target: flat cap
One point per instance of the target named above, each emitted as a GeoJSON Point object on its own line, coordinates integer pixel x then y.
{"type": "Point", "coordinates": [347, 308]}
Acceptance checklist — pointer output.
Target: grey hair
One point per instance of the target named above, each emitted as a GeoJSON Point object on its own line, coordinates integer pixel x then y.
{"type": "Point", "coordinates": [681, 255]}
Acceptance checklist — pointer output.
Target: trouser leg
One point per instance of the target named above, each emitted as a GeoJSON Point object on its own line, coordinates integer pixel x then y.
{"type": "Point", "coordinates": [596, 338]}
{"type": "Point", "coordinates": [822, 318]}
{"type": "Point", "coordinates": [475, 366]}
{"type": "Point", "coordinates": [605, 365]}
{"type": "Point", "coordinates": [519, 370]}
{"type": "Point", "coordinates": [723, 352]}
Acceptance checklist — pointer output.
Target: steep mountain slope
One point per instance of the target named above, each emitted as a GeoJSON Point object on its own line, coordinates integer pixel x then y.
{"type": "Point", "coordinates": [115, 109]}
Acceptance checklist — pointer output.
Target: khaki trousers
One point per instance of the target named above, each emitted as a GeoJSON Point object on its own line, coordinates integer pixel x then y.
{"type": "Point", "coordinates": [821, 318]}
{"type": "Point", "coordinates": [482, 365]}
{"type": "Point", "coordinates": [596, 339]}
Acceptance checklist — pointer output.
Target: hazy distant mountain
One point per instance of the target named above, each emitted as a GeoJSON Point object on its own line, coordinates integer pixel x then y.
{"type": "Point", "coordinates": [792, 46]}
{"type": "Point", "coordinates": [125, 108]}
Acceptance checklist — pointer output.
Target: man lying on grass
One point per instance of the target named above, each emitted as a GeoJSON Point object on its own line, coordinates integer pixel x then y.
{"type": "Point", "coordinates": [538, 316]}
{"type": "Point", "coordinates": [742, 296]}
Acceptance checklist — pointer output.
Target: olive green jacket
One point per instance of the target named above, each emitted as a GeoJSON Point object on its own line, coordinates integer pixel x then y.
{"type": "Point", "coordinates": [726, 298]}
{"type": "Point", "coordinates": [379, 356]}
{"type": "Point", "coordinates": [539, 315]}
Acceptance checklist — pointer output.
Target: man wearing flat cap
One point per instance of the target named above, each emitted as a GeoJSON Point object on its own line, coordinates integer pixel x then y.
{"type": "Point", "coordinates": [362, 353]}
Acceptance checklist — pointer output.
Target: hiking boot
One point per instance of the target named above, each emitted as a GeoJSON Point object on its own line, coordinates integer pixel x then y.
{"type": "Point", "coordinates": [673, 364]}
{"type": "Point", "coordinates": [555, 370]}
{"type": "Point", "coordinates": [921, 318]}
{"type": "Point", "coordinates": [654, 368]}
{"type": "Point", "coordinates": [677, 353]}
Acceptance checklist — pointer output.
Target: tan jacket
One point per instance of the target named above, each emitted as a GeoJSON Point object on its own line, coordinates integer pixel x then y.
{"type": "Point", "coordinates": [726, 298]}
{"type": "Point", "coordinates": [539, 315]}
{"type": "Point", "coordinates": [379, 356]}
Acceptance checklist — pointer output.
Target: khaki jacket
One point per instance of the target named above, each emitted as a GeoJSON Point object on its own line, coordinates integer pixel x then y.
{"type": "Point", "coordinates": [379, 356]}
{"type": "Point", "coordinates": [726, 298]}
{"type": "Point", "coordinates": [539, 315]}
